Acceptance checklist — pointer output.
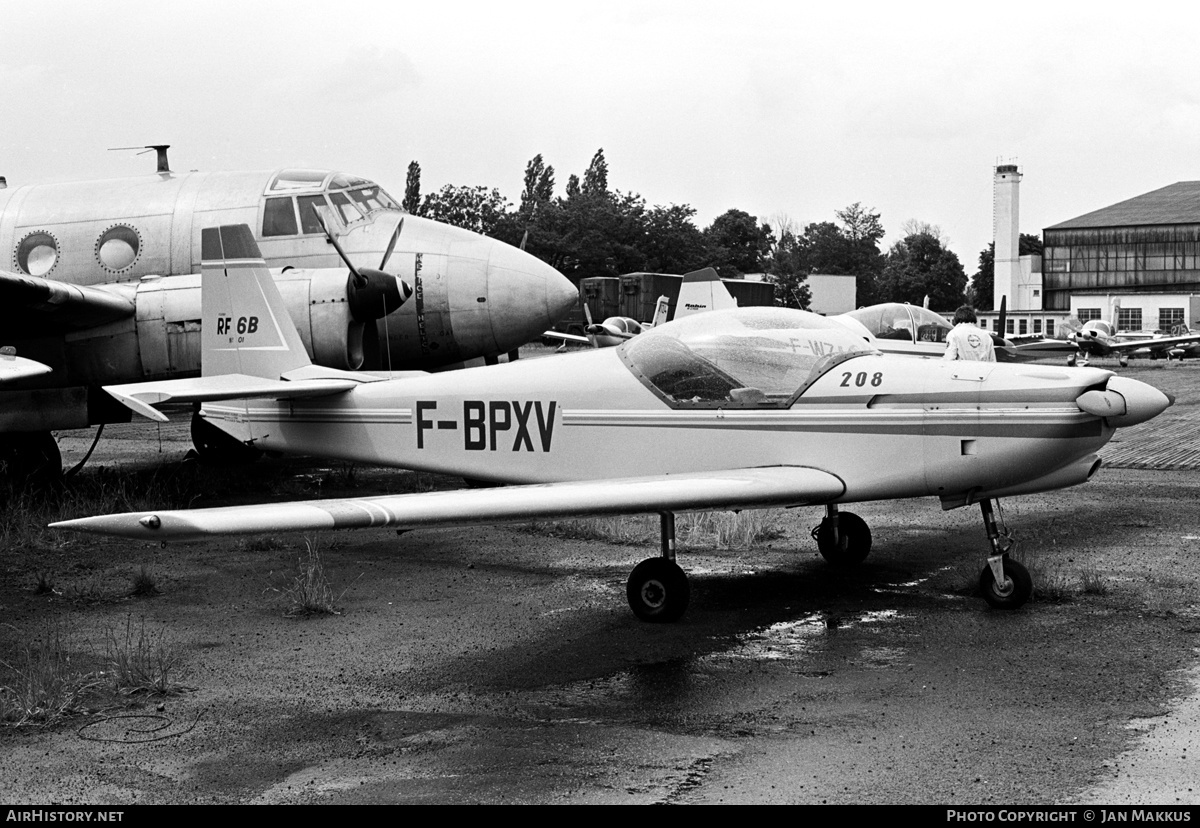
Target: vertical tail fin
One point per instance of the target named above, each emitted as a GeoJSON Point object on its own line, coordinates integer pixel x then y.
{"type": "Point", "coordinates": [701, 291]}
{"type": "Point", "coordinates": [246, 328]}
{"type": "Point", "coordinates": [661, 311]}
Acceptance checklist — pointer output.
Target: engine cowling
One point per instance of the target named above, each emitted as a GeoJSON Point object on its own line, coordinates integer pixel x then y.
{"type": "Point", "coordinates": [316, 300]}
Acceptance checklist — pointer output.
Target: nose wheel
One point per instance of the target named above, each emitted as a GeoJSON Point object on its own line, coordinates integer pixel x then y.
{"type": "Point", "coordinates": [1005, 584]}
{"type": "Point", "coordinates": [1009, 593]}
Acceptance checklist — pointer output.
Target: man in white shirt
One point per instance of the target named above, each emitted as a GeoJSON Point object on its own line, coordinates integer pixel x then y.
{"type": "Point", "coordinates": [967, 340]}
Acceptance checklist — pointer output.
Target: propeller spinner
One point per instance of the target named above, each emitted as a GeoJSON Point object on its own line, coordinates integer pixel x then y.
{"type": "Point", "coordinates": [372, 293]}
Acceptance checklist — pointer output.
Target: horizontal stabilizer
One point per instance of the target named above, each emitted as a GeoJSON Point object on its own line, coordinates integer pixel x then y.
{"type": "Point", "coordinates": [141, 396]}
{"type": "Point", "coordinates": [737, 489]}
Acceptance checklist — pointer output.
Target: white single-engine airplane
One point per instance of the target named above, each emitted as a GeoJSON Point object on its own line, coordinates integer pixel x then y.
{"type": "Point", "coordinates": [742, 409]}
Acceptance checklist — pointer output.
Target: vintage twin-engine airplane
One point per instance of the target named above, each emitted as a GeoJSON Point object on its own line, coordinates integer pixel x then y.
{"type": "Point", "coordinates": [100, 291]}
{"type": "Point", "coordinates": [760, 407]}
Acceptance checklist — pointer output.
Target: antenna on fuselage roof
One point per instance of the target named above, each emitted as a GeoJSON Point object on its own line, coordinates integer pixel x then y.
{"type": "Point", "coordinates": [160, 149]}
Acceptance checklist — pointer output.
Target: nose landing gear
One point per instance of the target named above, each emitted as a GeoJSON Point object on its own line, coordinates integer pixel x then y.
{"type": "Point", "coordinates": [1005, 583]}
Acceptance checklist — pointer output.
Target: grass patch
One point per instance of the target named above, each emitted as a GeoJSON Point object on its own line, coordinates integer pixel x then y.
{"type": "Point", "coordinates": [261, 543]}
{"type": "Point", "coordinates": [44, 583]}
{"type": "Point", "coordinates": [620, 529]}
{"type": "Point", "coordinates": [729, 530]}
{"type": "Point", "coordinates": [720, 530]}
{"type": "Point", "coordinates": [140, 661]}
{"type": "Point", "coordinates": [145, 584]}
{"type": "Point", "coordinates": [43, 681]}
{"type": "Point", "coordinates": [310, 592]}
{"type": "Point", "coordinates": [1092, 582]}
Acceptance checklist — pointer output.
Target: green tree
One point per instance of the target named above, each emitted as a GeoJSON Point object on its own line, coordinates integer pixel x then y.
{"type": "Point", "coordinates": [473, 208]}
{"type": "Point", "coordinates": [539, 187]}
{"type": "Point", "coordinates": [919, 266]}
{"type": "Point", "coordinates": [595, 177]}
{"type": "Point", "coordinates": [789, 271]}
{"type": "Point", "coordinates": [412, 188]}
{"type": "Point", "coordinates": [672, 242]}
{"type": "Point", "coordinates": [739, 243]}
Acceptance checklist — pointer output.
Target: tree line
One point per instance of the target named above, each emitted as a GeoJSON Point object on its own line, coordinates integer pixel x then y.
{"type": "Point", "coordinates": [592, 229]}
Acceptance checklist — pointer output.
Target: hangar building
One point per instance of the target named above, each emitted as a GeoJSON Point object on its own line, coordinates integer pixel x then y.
{"type": "Point", "coordinates": [1141, 257]}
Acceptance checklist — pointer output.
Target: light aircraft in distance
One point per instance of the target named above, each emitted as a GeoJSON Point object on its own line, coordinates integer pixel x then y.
{"type": "Point", "coordinates": [100, 281]}
{"type": "Point", "coordinates": [1098, 338]}
{"type": "Point", "coordinates": [741, 409]}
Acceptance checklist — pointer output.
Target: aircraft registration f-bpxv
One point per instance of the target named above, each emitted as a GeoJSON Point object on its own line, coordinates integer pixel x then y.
{"type": "Point", "coordinates": [750, 408]}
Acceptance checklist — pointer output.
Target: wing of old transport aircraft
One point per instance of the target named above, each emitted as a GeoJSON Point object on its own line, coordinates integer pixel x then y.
{"type": "Point", "coordinates": [13, 367]}
{"type": "Point", "coordinates": [32, 305]}
{"type": "Point", "coordinates": [734, 489]}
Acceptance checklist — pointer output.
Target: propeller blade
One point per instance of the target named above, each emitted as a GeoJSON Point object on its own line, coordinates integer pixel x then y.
{"type": "Point", "coordinates": [358, 277]}
{"type": "Point", "coordinates": [387, 254]}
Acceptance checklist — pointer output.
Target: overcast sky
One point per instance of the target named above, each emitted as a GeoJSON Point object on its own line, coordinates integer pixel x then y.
{"type": "Point", "coordinates": [779, 109]}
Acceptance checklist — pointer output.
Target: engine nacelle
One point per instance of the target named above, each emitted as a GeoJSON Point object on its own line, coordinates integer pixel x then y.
{"type": "Point", "coordinates": [316, 301]}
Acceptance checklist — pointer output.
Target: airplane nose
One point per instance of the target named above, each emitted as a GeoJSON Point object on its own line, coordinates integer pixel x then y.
{"type": "Point", "coordinates": [525, 295]}
{"type": "Point", "coordinates": [1125, 402]}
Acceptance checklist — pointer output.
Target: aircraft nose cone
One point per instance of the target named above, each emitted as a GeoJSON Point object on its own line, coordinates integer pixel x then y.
{"type": "Point", "coordinates": [1125, 402]}
{"type": "Point", "coordinates": [525, 295]}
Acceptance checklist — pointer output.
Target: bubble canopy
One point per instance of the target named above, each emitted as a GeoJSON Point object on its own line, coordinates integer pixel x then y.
{"type": "Point", "coordinates": [746, 358]}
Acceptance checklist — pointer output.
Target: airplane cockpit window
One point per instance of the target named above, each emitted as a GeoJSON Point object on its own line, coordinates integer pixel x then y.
{"type": "Point", "coordinates": [299, 180]}
{"type": "Point", "coordinates": [308, 217]}
{"type": "Point", "coordinates": [279, 218]}
{"type": "Point", "coordinates": [348, 198]}
{"type": "Point", "coordinates": [931, 327]}
{"type": "Point", "coordinates": [907, 323]}
{"type": "Point", "coordinates": [750, 358]}
{"type": "Point", "coordinates": [345, 210]}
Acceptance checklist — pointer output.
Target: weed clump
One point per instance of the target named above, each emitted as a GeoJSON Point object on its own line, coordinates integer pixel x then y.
{"type": "Point", "coordinates": [145, 584]}
{"type": "Point", "coordinates": [43, 681]}
{"type": "Point", "coordinates": [139, 661]}
{"type": "Point", "coordinates": [310, 592]}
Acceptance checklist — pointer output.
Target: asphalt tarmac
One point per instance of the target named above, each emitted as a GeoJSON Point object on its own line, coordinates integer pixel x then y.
{"type": "Point", "coordinates": [503, 665]}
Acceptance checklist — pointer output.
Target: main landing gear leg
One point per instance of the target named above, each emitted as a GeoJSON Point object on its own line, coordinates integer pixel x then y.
{"type": "Point", "coordinates": [843, 538]}
{"type": "Point", "coordinates": [658, 589]}
{"type": "Point", "coordinates": [1004, 582]}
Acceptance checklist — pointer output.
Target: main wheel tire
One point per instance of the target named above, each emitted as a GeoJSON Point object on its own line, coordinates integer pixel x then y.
{"type": "Point", "coordinates": [658, 590]}
{"type": "Point", "coordinates": [1010, 595]}
{"type": "Point", "coordinates": [852, 545]}
{"type": "Point", "coordinates": [31, 460]}
{"type": "Point", "coordinates": [217, 448]}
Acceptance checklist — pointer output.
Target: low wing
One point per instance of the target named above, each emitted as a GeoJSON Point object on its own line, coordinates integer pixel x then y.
{"type": "Point", "coordinates": [1035, 347]}
{"type": "Point", "coordinates": [32, 306]}
{"type": "Point", "coordinates": [13, 367]}
{"type": "Point", "coordinates": [566, 337]}
{"type": "Point", "coordinates": [1162, 343]}
{"type": "Point", "coordinates": [735, 489]}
